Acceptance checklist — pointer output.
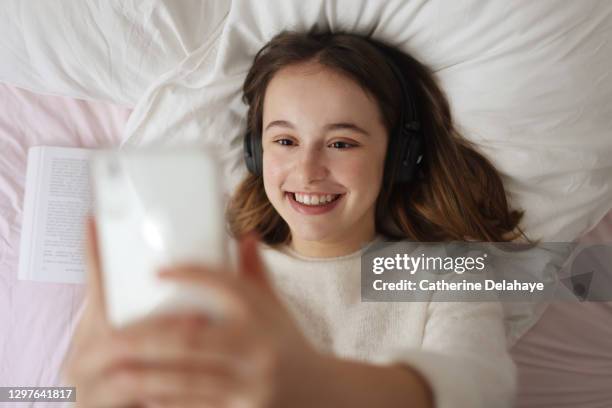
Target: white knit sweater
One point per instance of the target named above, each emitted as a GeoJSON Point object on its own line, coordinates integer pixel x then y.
{"type": "Point", "coordinates": [459, 347]}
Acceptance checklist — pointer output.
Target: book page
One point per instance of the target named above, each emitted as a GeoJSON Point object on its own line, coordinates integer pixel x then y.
{"type": "Point", "coordinates": [59, 198]}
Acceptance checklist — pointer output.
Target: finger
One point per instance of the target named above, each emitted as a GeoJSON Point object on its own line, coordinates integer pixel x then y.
{"type": "Point", "coordinates": [237, 298]}
{"type": "Point", "coordinates": [94, 359]}
{"type": "Point", "coordinates": [188, 343]}
{"type": "Point", "coordinates": [95, 286]}
{"type": "Point", "coordinates": [106, 393]}
{"type": "Point", "coordinates": [94, 352]}
{"type": "Point", "coordinates": [110, 390]}
{"type": "Point", "coordinates": [93, 322]}
{"type": "Point", "coordinates": [99, 356]}
{"type": "Point", "coordinates": [144, 384]}
{"type": "Point", "coordinates": [182, 402]}
{"type": "Point", "coordinates": [119, 348]}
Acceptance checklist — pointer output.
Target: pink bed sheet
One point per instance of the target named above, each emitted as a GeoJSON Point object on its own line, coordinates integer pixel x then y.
{"type": "Point", "coordinates": [37, 319]}
{"type": "Point", "coordinates": [565, 359]}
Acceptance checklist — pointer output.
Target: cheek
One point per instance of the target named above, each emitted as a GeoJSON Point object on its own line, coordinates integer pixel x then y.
{"type": "Point", "coordinates": [363, 173]}
{"type": "Point", "coordinates": [274, 172]}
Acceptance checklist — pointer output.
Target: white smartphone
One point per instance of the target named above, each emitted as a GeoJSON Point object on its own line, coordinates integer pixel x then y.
{"type": "Point", "coordinates": [153, 209]}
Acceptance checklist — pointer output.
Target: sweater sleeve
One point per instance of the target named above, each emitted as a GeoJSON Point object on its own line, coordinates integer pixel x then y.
{"type": "Point", "coordinates": [464, 356]}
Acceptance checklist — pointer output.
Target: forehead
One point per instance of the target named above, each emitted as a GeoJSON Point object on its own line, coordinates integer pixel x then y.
{"type": "Point", "coordinates": [311, 88]}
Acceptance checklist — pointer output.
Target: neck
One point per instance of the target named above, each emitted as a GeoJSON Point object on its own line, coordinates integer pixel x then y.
{"type": "Point", "coordinates": [333, 246]}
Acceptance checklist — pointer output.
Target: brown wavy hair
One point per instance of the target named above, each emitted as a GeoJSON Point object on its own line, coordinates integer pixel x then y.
{"type": "Point", "coordinates": [458, 195]}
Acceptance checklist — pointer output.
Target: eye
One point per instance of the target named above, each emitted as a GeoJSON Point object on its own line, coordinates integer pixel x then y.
{"type": "Point", "coordinates": [342, 145]}
{"type": "Point", "coordinates": [284, 142]}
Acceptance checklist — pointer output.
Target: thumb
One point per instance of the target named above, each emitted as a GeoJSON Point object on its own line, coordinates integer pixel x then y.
{"type": "Point", "coordinates": [251, 265]}
{"type": "Point", "coordinates": [95, 286]}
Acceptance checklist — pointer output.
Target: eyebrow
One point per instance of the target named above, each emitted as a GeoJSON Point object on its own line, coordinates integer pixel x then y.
{"type": "Point", "coordinates": [329, 127]}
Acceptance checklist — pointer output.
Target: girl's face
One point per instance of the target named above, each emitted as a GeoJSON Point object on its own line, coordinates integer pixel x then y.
{"type": "Point", "coordinates": [323, 138]}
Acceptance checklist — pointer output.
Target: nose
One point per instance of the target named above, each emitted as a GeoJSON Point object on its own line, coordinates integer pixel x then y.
{"type": "Point", "coordinates": [312, 165]}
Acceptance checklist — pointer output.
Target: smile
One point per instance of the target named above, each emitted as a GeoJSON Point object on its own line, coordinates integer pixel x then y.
{"type": "Point", "coordinates": [313, 204]}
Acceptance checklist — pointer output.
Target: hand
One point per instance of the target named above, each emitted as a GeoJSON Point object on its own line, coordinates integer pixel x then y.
{"type": "Point", "coordinates": [256, 357]}
{"type": "Point", "coordinates": [266, 360]}
{"type": "Point", "coordinates": [99, 362]}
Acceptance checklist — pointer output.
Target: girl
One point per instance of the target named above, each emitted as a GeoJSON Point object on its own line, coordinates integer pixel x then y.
{"type": "Point", "coordinates": [324, 111]}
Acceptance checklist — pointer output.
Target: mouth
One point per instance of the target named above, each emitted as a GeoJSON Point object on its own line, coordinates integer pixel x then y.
{"type": "Point", "coordinates": [313, 204]}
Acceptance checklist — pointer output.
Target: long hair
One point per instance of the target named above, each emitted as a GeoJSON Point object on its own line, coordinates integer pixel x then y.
{"type": "Point", "coordinates": [459, 194]}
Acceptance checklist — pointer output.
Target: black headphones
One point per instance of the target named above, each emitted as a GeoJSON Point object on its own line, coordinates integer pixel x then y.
{"type": "Point", "coordinates": [405, 149]}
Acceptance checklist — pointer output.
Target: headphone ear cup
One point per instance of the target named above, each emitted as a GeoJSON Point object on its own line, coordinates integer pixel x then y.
{"type": "Point", "coordinates": [253, 154]}
{"type": "Point", "coordinates": [257, 154]}
{"type": "Point", "coordinates": [248, 152]}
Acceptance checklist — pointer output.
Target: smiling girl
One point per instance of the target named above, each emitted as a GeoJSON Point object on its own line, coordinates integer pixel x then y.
{"type": "Point", "coordinates": [324, 111]}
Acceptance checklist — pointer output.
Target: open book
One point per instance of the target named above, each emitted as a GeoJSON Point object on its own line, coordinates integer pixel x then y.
{"type": "Point", "coordinates": [57, 199]}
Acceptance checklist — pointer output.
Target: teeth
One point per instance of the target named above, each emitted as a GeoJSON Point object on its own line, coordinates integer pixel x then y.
{"type": "Point", "coordinates": [312, 199]}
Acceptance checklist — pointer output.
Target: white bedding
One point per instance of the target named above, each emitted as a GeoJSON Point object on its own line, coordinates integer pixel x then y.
{"type": "Point", "coordinates": [103, 50]}
{"type": "Point", "coordinates": [528, 81]}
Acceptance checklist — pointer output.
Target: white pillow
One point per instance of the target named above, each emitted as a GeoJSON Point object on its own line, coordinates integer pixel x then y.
{"type": "Point", "coordinates": [100, 50]}
{"type": "Point", "coordinates": [527, 81]}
